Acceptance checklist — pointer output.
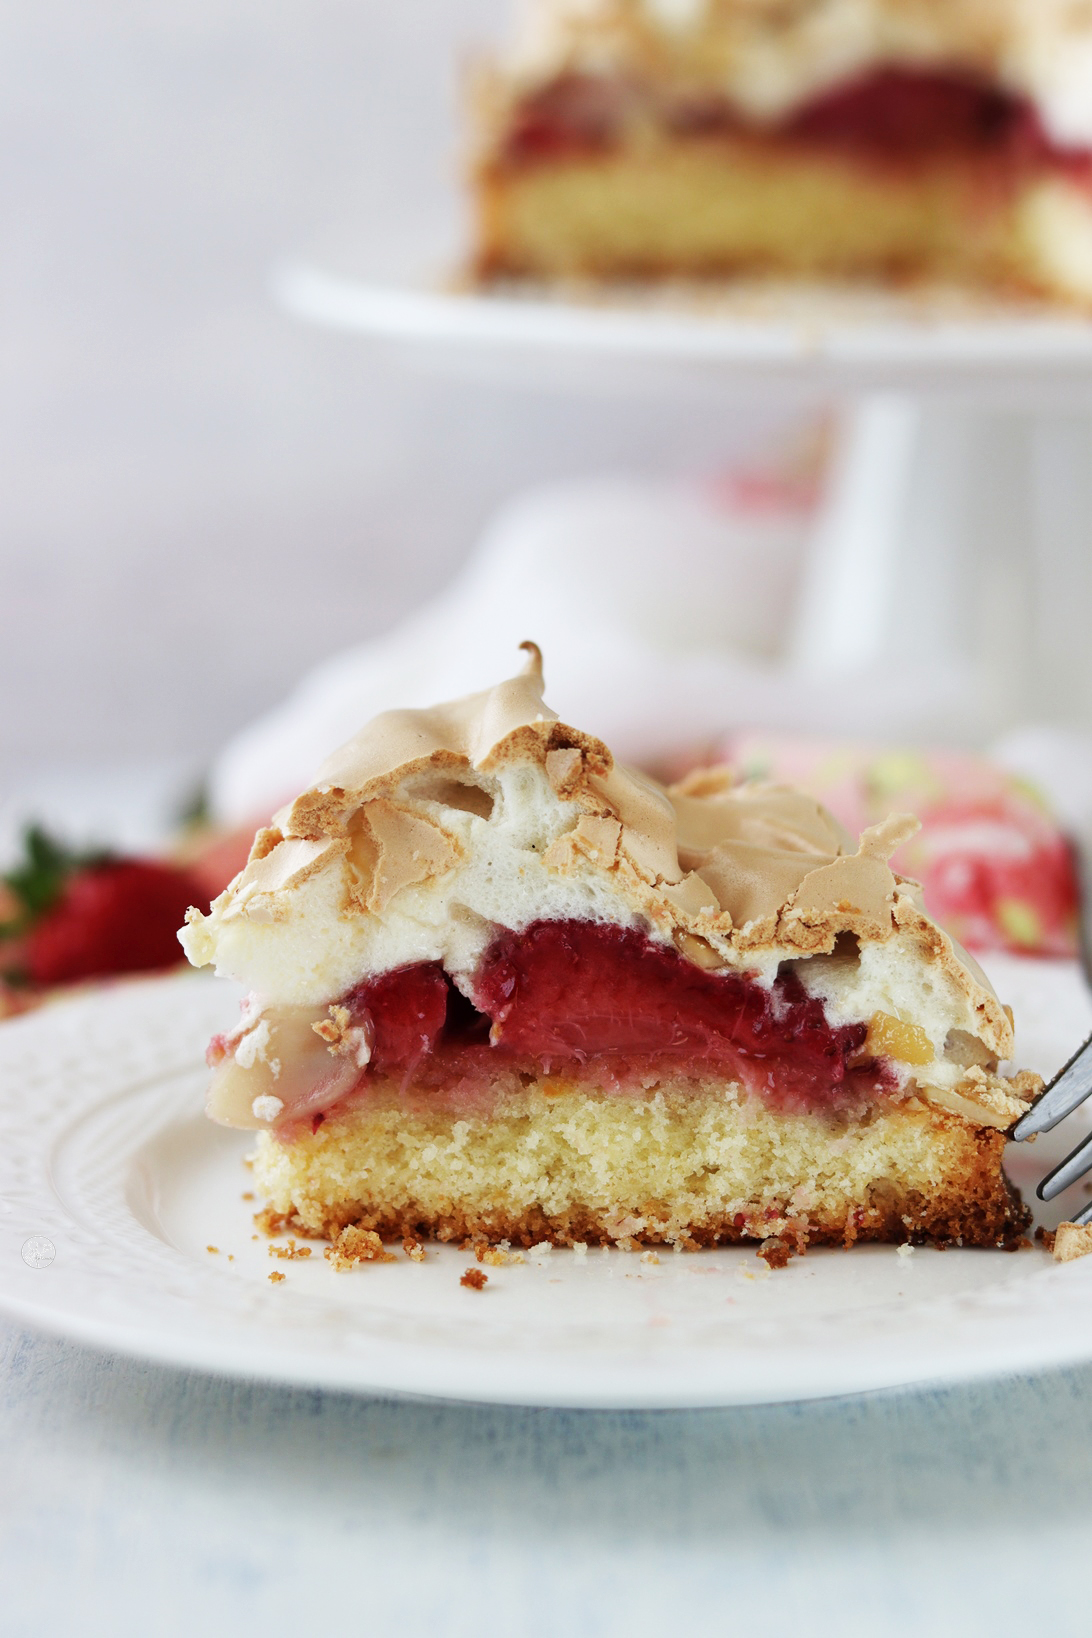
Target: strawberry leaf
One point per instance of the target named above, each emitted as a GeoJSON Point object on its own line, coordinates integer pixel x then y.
{"type": "Point", "coordinates": [37, 882]}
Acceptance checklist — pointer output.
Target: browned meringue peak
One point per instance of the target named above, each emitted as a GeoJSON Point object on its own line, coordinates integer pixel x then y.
{"type": "Point", "coordinates": [780, 865]}
{"type": "Point", "coordinates": [500, 724]}
{"type": "Point", "coordinates": [729, 873]}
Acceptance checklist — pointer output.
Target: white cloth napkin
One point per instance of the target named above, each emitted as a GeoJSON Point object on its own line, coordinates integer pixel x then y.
{"type": "Point", "coordinates": [662, 610]}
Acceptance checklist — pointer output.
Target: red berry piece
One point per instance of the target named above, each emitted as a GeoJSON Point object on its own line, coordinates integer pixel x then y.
{"type": "Point", "coordinates": [119, 916]}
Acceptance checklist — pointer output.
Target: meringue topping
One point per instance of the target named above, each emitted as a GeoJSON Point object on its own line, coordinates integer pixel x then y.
{"type": "Point", "coordinates": [431, 830]}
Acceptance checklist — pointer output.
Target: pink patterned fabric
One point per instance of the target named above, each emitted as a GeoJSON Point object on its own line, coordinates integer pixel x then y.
{"type": "Point", "coordinates": [997, 871]}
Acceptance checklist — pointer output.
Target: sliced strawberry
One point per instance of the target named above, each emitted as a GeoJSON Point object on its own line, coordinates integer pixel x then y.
{"type": "Point", "coordinates": [407, 1009]}
{"type": "Point", "coordinates": [571, 990]}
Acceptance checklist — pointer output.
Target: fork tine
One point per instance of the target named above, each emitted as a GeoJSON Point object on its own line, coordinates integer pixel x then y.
{"type": "Point", "coordinates": [1071, 1168]}
{"type": "Point", "coordinates": [1084, 1216]}
{"type": "Point", "coordinates": [1070, 1086]}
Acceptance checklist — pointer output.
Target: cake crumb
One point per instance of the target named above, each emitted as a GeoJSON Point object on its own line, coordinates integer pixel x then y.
{"type": "Point", "coordinates": [1072, 1240]}
{"type": "Point", "coordinates": [649, 1257]}
{"type": "Point", "coordinates": [356, 1245]}
{"type": "Point", "coordinates": [276, 1277]}
{"type": "Point", "coordinates": [497, 1256]}
{"type": "Point", "coordinates": [215, 1250]}
{"type": "Point", "coordinates": [1045, 1238]}
{"type": "Point", "coordinates": [230, 1258]}
{"type": "Point", "coordinates": [249, 1195]}
{"type": "Point", "coordinates": [580, 1248]}
{"type": "Point", "coordinates": [474, 1279]}
{"type": "Point", "coordinates": [905, 1250]}
{"type": "Point", "coordinates": [542, 1249]}
{"type": "Point", "coordinates": [291, 1252]}
{"type": "Point", "coordinates": [775, 1253]}
{"type": "Point", "coordinates": [413, 1249]}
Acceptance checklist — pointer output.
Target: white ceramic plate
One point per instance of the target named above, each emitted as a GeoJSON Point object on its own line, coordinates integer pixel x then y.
{"type": "Point", "coordinates": [112, 1180]}
{"type": "Point", "coordinates": [825, 338]}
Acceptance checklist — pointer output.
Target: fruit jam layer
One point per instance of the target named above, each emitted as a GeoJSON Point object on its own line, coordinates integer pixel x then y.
{"type": "Point", "coordinates": [891, 116]}
{"type": "Point", "coordinates": [587, 1002]}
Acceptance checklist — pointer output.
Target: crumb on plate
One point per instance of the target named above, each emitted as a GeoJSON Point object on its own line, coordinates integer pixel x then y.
{"type": "Point", "coordinates": [291, 1252]}
{"type": "Point", "coordinates": [354, 1246]}
{"type": "Point", "coordinates": [1072, 1240]}
{"type": "Point", "coordinates": [497, 1256]}
{"type": "Point", "coordinates": [775, 1253]}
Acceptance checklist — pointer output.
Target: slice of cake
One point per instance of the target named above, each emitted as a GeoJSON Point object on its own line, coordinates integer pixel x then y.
{"type": "Point", "coordinates": [942, 139]}
{"type": "Point", "coordinates": [503, 988]}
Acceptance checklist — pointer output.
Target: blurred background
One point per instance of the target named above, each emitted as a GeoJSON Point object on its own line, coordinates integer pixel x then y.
{"type": "Point", "coordinates": [201, 497]}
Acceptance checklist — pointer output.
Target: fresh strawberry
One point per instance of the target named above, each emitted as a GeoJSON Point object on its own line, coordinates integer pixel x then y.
{"type": "Point", "coordinates": [121, 916]}
{"type": "Point", "coordinates": [94, 916]}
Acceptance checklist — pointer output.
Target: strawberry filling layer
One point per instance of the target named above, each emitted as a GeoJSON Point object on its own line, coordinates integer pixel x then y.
{"type": "Point", "coordinates": [892, 115]}
{"type": "Point", "coordinates": [585, 1001]}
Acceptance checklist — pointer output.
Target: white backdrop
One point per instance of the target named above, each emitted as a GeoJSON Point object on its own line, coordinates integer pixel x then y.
{"type": "Point", "coordinates": [200, 498]}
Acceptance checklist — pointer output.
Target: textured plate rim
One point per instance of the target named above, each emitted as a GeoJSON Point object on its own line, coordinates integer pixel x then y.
{"type": "Point", "coordinates": [919, 340]}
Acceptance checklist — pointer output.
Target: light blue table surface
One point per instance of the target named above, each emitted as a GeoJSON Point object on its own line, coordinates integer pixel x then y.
{"type": "Point", "coordinates": [141, 1500]}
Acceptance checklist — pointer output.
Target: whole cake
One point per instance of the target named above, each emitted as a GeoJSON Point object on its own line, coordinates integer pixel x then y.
{"type": "Point", "coordinates": [942, 139]}
{"type": "Point", "coordinates": [505, 989]}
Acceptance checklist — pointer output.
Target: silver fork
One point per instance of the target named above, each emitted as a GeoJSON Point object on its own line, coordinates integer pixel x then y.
{"type": "Point", "coordinates": [1069, 1088]}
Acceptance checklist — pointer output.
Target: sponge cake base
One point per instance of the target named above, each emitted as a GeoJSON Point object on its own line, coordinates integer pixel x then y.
{"type": "Point", "coordinates": [691, 207]}
{"type": "Point", "coordinates": [684, 1163]}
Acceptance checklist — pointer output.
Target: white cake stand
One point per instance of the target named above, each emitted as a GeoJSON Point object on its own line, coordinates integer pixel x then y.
{"type": "Point", "coordinates": [958, 514]}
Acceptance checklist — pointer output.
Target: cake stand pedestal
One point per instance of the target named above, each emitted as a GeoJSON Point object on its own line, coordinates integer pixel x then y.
{"type": "Point", "coordinates": [957, 528]}
{"type": "Point", "coordinates": [957, 516]}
